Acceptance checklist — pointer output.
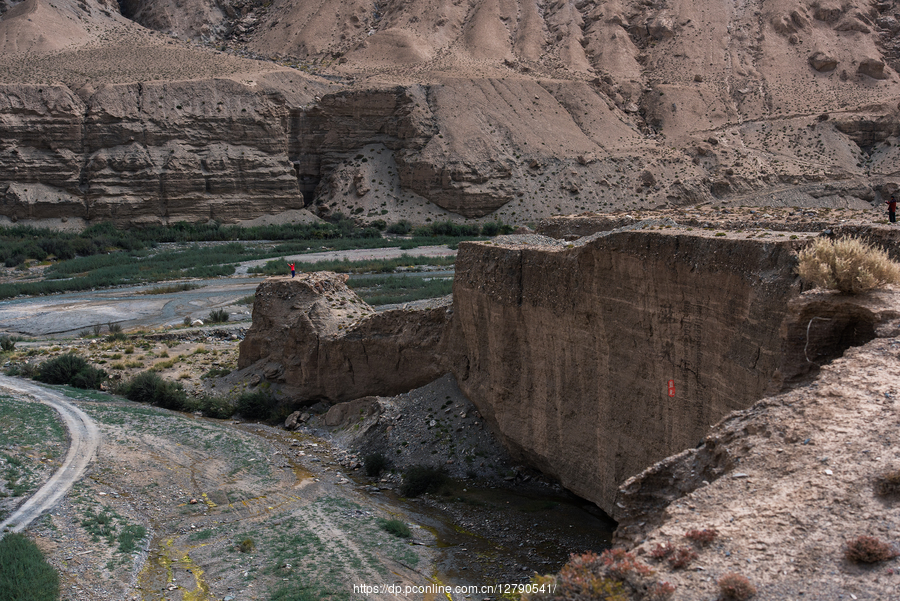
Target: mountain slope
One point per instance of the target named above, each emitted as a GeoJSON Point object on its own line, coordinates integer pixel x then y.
{"type": "Point", "coordinates": [510, 109]}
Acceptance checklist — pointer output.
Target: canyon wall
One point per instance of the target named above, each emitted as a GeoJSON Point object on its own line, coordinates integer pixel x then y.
{"type": "Point", "coordinates": [568, 350]}
{"type": "Point", "coordinates": [590, 360]}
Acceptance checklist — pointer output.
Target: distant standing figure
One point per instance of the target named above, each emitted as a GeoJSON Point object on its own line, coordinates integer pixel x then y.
{"type": "Point", "coordinates": [892, 209]}
{"type": "Point", "coordinates": [293, 273]}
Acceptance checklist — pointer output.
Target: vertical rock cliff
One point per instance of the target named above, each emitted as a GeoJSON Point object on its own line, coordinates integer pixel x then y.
{"type": "Point", "coordinates": [568, 350]}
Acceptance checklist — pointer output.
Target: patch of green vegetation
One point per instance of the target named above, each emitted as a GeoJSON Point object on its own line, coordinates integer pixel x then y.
{"type": "Point", "coordinates": [129, 536]}
{"type": "Point", "coordinates": [390, 290]}
{"type": "Point", "coordinates": [256, 405]}
{"type": "Point", "coordinates": [280, 266]}
{"type": "Point", "coordinates": [208, 437]}
{"type": "Point", "coordinates": [24, 573]}
{"type": "Point", "coordinates": [419, 479]}
{"type": "Point", "coordinates": [20, 479]}
{"type": "Point", "coordinates": [100, 525]}
{"type": "Point", "coordinates": [218, 316]}
{"type": "Point", "coordinates": [291, 550]}
{"type": "Point", "coordinates": [30, 432]}
{"type": "Point", "coordinates": [395, 527]}
{"type": "Point", "coordinates": [106, 524]}
{"type": "Point", "coordinates": [202, 535]}
{"type": "Point", "coordinates": [183, 287]}
{"type": "Point", "coordinates": [30, 424]}
{"type": "Point", "coordinates": [70, 369]}
{"type": "Point", "coordinates": [102, 255]}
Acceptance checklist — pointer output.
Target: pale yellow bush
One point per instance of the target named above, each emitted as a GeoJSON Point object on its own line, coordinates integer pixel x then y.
{"type": "Point", "coordinates": [847, 264]}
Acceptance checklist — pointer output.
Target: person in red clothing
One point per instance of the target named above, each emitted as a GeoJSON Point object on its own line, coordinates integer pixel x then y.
{"type": "Point", "coordinates": [293, 273]}
{"type": "Point", "coordinates": [892, 209]}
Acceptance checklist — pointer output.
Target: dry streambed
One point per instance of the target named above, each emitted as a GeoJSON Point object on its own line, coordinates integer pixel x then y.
{"type": "Point", "coordinates": [179, 507]}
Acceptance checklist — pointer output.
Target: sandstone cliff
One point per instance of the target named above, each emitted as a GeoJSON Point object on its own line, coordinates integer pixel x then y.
{"type": "Point", "coordinates": [568, 350]}
{"type": "Point", "coordinates": [315, 339]}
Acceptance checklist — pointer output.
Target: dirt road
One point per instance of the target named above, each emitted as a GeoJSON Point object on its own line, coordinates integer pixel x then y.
{"type": "Point", "coordinates": [84, 443]}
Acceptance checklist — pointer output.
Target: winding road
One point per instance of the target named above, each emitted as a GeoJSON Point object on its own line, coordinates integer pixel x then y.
{"type": "Point", "coordinates": [83, 445]}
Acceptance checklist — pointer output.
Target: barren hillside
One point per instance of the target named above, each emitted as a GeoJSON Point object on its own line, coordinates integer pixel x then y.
{"type": "Point", "coordinates": [428, 110]}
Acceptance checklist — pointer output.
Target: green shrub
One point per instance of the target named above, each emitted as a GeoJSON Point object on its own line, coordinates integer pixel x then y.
{"type": "Point", "coordinates": [149, 387]}
{"type": "Point", "coordinates": [218, 316]}
{"type": "Point", "coordinates": [419, 479]}
{"type": "Point", "coordinates": [246, 545]}
{"type": "Point", "coordinates": [401, 228]}
{"type": "Point", "coordinates": [848, 265]}
{"type": "Point", "coordinates": [374, 464]}
{"type": "Point", "coordinates": [395, 527]}
{"type": "Point", "coordinates": [491, 228]}
{"type": "Point", "coordinates": [216, 407]}
{"type": "Point", "coordinates": [255, 405]}
{"type": "Point", "coordinates": [70, 369]}
{"type": "Point", "coordinates": [24, 573]}
{"type": "Point", "coordinates": [129, 536]}
{"type": "Point", "coordinates": [7, 343]}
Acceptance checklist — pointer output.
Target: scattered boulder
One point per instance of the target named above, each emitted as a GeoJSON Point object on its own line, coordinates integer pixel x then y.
{"type": "Point", "coordinates": [294, 420]}
{"type": "Point", "coordinates": [647, 179]}
{"type": "Point", "coordinates": [822, 62]}
{"type": "Point", "coordinates": [827, 11]}
{"type": "Point", "coordinates": [342, 413]}
{"type": "Point", "coordinates": [874, 68]}
{"type": "Point", "coordinates": [661, 28]}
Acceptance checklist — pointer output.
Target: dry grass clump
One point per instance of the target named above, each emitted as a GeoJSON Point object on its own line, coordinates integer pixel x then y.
{"type": "Point", "coordinates": [868, 549]}
{"type": "Point", "coordinates": [888, 484]}
{"type": "Point", "coordinates": [735, 586]}
{"type": "Point", "coordinates": [847, 264]}
{"type": "Point", "coordinates": [702, 537]}
{"type": "Point", "coordinates": [678, 557]}
{"type": "Point", "coordinates": [614, 575]}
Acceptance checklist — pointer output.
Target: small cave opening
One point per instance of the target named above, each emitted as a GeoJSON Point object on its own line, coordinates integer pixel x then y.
{"type": "Point", "coordinates": [308, 178]}
{"type": "Point", "coordinates": [129, 8]}
{"type": "Point", "coordinates": [821, 334]}
{"type": "Point", "coordinates": [308, 184]}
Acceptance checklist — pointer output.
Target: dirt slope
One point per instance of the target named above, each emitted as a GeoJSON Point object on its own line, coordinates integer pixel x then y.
{"type": "Point", "coordinates": [798, 483]}
{"type": "Point", "coordinates": [510, 109]}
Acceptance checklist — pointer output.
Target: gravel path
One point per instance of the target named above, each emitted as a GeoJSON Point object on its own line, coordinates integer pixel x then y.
{"type": "Point", "coordinates": [85, 441]}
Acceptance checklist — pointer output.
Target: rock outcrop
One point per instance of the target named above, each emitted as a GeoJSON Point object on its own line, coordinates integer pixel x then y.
{"type": "Point", "coordinates": [315, 339]}
{"type": "Point", "coordinates": [590, 360]}
{"type": "Point", "coordinates": [594, 361]}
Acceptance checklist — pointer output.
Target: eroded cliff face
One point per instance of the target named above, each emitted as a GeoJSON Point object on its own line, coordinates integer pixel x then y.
{"type": "Point", "coordinates": [590, 360]}
{"type": "Point", "coordinates": [418, 111]}
{"type": "Point", "coordinates": [569, 350]}
{"type": "Point", "coordinates": [315, 339]}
